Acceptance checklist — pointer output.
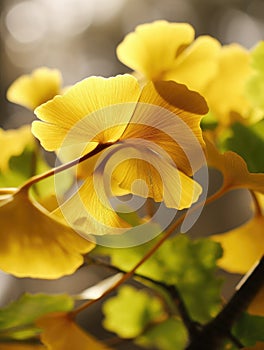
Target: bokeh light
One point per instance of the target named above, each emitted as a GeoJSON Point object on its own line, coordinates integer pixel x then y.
{"type": "Point", "coordinates": [26, 22]}
{"type": "Point", "coordinates": [80, 37]}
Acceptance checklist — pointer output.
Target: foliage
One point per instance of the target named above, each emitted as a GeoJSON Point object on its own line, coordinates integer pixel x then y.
{"type": "Point", "coordinates": [129, 150]}
{"type": "Point", "coordinates": [17, 320]}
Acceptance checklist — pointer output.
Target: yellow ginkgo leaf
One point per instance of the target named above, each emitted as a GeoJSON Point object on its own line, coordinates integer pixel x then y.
{"type": "Point", "coordinates": [168, 115]}
{"type": "Point", "coordinates": [157, 177]}
{"type": "Point", "coordinates": [167, 51]}
{"type": "Point", "coordinates": [242, 247]}
{"type": "Point", "coordinates": [60, 332]}
{"type": "Point", "coordinates": [256, 307]}
{"type": "Point", "coordinates": [234, 169]}
{"type": "Point", "coordinates": [165, 116]}
{"type": "Point", "coordinates": [122, 169]}
{"type": "Point", "coordinates": [94, 110]}
{"type": "Point", "coordinates": [196, 64]}
{"type": "Point", "coordinates": [165, 113]}
{"type": "Point", "coordinates": [36, 88]}
{"type": "Point", "coordinates": [89, 210]}
{"type": "Point", "coordinates": [225, 93]}
{"type": "Point", "coordinates": [12, 143]}
{"type": "Point", "coordinates": [33, 243]}
{"type": "Point", "coordinates": [18, 346]}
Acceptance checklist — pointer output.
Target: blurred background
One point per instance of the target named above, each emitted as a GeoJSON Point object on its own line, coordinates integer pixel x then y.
{"type": "Point", "coordinates": [79, 37]}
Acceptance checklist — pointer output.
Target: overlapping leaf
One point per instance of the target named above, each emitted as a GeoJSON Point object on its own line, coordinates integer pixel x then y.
{"type": "Point", "coordinates": [17, 320]}
{"type": "Point", "coordinates": [248, 142]}
{"type": "Point", "coordinates": [35, 244]}
{"type": "Point", "coordinates": [179, 261]}
{"type": "Point", "coordinates": [60, 332]}
{"type": "Point", "coordinates": [168, 51]}
{"type": "Point", "coordinates": [147, 321]}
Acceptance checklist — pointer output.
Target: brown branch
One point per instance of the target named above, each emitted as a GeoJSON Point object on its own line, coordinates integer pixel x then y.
{"type": "Point", "coordinates": [213, 334]}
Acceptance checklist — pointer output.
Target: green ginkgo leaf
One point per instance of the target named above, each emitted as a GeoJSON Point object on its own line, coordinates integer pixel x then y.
{"type": "Point", "coordinates": [255, 85]}
{"type": "Point", "coordinates": [17, 319]}
{"type": "Point", "coordinates": [258, 57]}
{"type": "Point", "coordinates": [190, 265]}
{"type": "Point", "coordinates": [129, 322]}
{"type": "Point", "coordinates": [249, 329]}
{"type": "Point", "coordinates": [248, 142]}
{"type": "Point", "coordinates": [168, 335]}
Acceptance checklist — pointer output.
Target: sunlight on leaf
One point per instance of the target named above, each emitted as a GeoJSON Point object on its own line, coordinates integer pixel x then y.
{"type": "Point", "coordinates": [225, 93]}
{"type": "Point", "coordinates": [168, 116]}
{"type": "Point", "coordinates": [129, 322]}
{"type": "Point", "coordinates": [156, 126]}
{"type": "Point", "coordinates": [242, 246]}
{"type": "Point", "coordinates": [82, 103]}
{"type": "Point", "coordinates": [70, 336]}
{"type": "Point", "coordinates": [32, 90]}
{"type": "Point", "coordinates": [17, 319]}
{"type": "Point", "coordinates": [163, 180]}
{"type": "Point", "coordinates": [92, 212]}
{"type": "Point", "coordinates": [168, 51]}
{"type": "Point", "coordinates": [33, 243]}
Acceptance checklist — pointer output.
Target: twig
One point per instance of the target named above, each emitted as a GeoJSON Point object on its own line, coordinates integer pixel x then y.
{"type": "Point", "coordinates": [51, 172]}
{"type": "Point", "coordinates": [152, 250]}
{"type": "Point", "coordinates": [215, 332]}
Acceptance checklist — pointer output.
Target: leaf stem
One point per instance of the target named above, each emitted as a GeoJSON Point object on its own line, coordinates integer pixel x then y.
{"type": "Point", "coordinates": [151, 251]}
{"type": "Point", "coordinates": [51, 172]}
